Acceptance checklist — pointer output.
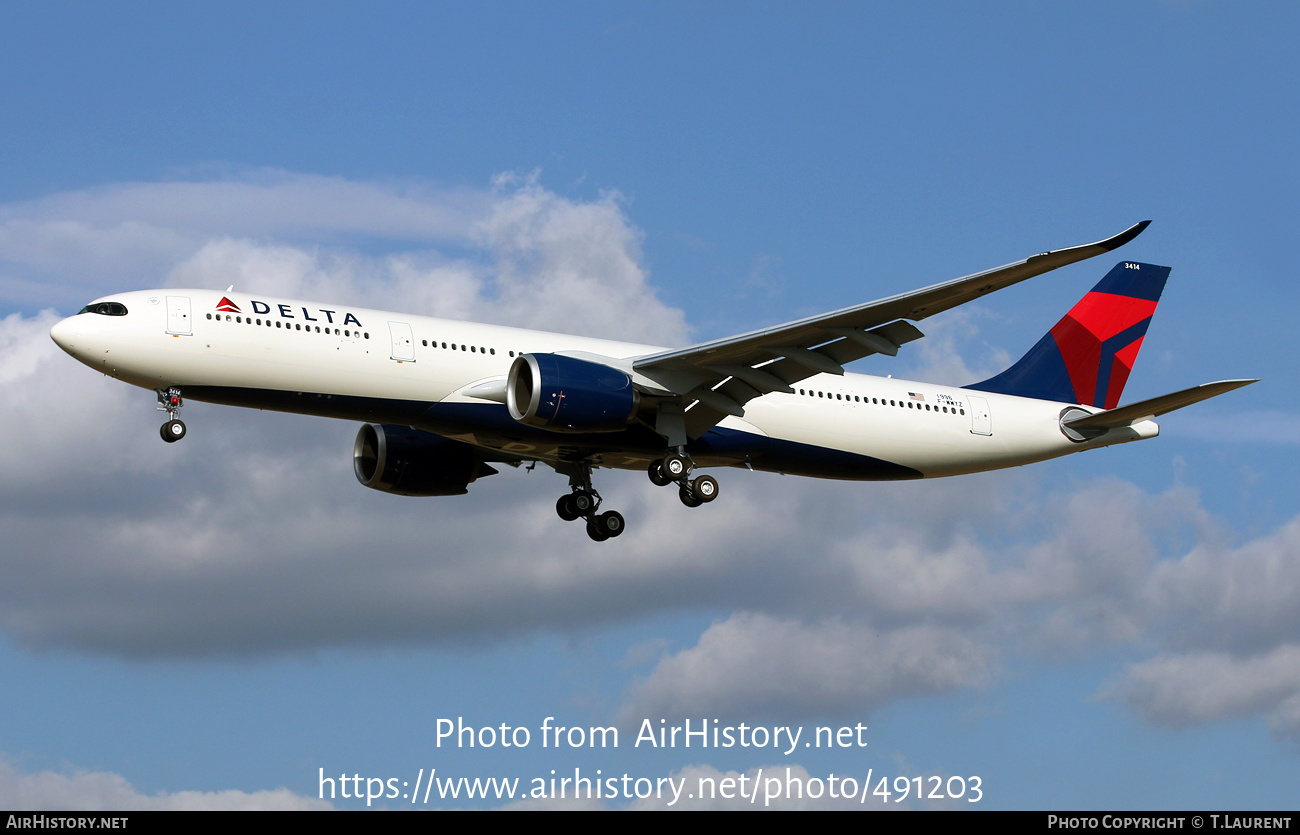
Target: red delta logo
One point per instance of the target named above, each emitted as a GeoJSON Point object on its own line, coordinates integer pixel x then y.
{"type": "Point", "coordinates": [1099, 340]}
{"type": "Point", "coordinates": [228, 306]}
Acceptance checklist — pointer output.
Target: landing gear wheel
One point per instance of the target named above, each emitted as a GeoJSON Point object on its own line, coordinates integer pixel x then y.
{"type": "Point", "coordinates": [595, 531]}
{"type": "Point", "coordinates": [611, 523]}
{"type": "Point", "coordinates": [657, 474]}
{"type": "Point", "coordinates": [676, 465]}
{"type": "Point", "coordinates": [172, 431]}
{"type": "Point", "coordinates": [169, 401]}
{"type": "Point", "coordinates": [688, 497]}
{"type": "Point", "coordinates": [582, 501]}
{"type": "Point", "coordinates": [705, 488]}
{"type": "Point", "coordinates": [564, 507]}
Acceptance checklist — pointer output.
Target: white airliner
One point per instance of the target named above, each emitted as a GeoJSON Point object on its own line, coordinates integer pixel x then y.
{"type": "Point", "coordinates": [442, 400]}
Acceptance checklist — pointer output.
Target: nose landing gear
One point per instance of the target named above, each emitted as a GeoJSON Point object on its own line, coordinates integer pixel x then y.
{"type": "Point", "coordinates": [169, 401]}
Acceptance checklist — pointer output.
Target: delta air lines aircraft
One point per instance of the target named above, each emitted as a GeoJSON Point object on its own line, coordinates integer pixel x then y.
{"type": "Point", "coordinates": [442, 401]}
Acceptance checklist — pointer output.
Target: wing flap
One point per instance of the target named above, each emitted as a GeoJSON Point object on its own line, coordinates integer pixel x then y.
{"type": "Point", "coordinates": [856, 344]}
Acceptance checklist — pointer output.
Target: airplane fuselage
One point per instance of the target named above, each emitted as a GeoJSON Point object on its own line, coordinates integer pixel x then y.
{"type": "Point", "coordinates": [389, 368]}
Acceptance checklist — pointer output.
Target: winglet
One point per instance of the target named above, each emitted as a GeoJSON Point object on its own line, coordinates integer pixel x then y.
{"type": "Point", "coordinates": [1124, 237]}
{"type": "Point", "coordinates": [1078, 253]}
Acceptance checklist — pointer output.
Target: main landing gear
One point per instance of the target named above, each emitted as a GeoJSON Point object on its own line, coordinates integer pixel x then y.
{"type": "Point", "coordinates": [676, 467]}
{"type": "Point", "coordinates": [583, 502]}
{"type": "Point", "coordinates": [170, 402]}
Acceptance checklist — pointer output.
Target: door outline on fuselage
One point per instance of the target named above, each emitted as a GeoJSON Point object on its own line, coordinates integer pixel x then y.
{"type": "Point", "coordinates": [403, 340]}
{"type": "Point", "coordinates": [178, 316]}
{"type": "Point", "coordinates": [981, 419]}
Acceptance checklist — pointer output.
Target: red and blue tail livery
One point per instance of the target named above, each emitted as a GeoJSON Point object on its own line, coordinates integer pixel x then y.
{"type": "Point", "coordinates": [1087, 357]}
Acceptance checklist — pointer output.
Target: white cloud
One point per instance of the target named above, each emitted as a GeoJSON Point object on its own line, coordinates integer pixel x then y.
{"type": "Point", "coordinates": [571, 266]}
{"type": "Point", "coordinates": [946, 353]}
{"type": "Point", "coordinates": [513, 254]}
{"type": "Point", "coordinates": [259, 203]}
{"type": "Point", "coordinates": [54, 413]}
{"type": "Point", "coordinates": [1229, 619]}
{"type": "Point", "coordinates": [1241, 599]}
{"type": "Point", "coordinates": [756, 666]}
{"type": "Point", "coordinates": [1193, 688]}
{"type": "Point", "coordinates": [93, 791]}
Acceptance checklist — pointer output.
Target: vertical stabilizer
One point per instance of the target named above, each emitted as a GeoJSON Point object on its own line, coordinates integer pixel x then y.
{"type": "Point", "coordinates": [1086, 358]}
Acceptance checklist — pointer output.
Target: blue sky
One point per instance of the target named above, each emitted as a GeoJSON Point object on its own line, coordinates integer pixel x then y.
{"type": "Point", "coordinates": [212, 623]}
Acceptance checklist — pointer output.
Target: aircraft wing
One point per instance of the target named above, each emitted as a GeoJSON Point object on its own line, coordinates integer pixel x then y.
{"type": "Point", "coordinates": [1154, 407]}
{"type": "Point", "coordinates": [717, 378]}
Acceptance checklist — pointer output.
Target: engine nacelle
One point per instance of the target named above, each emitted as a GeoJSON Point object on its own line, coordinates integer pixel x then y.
{"type": "Point", "coordinates": [563, 394]}
{"type": "Point", "coordinates": [405, 461]}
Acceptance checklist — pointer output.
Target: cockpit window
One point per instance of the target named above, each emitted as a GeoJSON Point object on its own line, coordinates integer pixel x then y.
{"type": "Point", "coordinates": [104, 309]}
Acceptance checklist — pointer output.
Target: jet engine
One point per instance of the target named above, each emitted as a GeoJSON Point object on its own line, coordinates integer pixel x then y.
{"type": "Point", "coordinates": [408, 462]}
{"type": "Point", "coordinates": [563, 394]}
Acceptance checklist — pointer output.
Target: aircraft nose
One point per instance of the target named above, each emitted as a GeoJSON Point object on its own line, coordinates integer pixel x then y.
{"type": "Point", "coordinates": [65, 333]}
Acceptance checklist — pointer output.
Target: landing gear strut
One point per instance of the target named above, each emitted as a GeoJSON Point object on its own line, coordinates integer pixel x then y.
{"type": "Point", "coordinates": [583, 502]}
{"type": "Point", "coordinates": [169, 401]}
{"type": "Point", "coordinates": [675, 467]}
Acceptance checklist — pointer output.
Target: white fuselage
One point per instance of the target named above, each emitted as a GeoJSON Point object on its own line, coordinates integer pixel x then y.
{"type": "Point", "coordinates": [338, 361]}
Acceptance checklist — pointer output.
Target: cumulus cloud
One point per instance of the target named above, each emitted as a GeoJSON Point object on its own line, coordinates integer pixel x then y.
{"type": "Point", "coordinates": [957, 597]}
{"type": "Point", "coordinates": [946, 354]}
{"type": "Point", "coordinates": [753, 665]}
{"type": "Point", "coordinates": [1240, 599]}
{"type": "Point", "coordinates": [1192, 688]}
{"type": "Point", "coordinates": [515, 253]}
{"type": "Point", "coordinates": [572, 267]}
{"type": "Point", "coordinates": [1228, 618]}
{"type": "Point", "coordinates": [94, 791]}
{"type": "Point", "coordinates": [55, 411]}
{"type": "Point", "coordinates": [254, 203]}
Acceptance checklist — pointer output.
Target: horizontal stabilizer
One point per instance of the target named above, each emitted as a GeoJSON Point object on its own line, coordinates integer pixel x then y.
{"type": "Point", "coordinates": [1156, 406]}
